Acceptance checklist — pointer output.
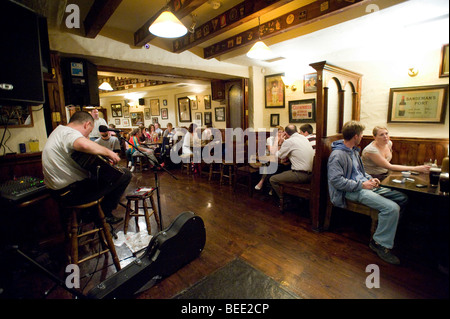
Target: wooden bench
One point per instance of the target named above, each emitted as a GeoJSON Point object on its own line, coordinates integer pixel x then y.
{"type": "Point", "coordinates": [356, 208]}
{"type": "Point", "coordinates": [295, 189]}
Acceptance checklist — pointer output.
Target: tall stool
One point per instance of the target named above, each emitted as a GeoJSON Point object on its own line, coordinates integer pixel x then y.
{"type": "Point", "coordinates": [227, 171]}
{"type": "Point", "coordinates": [100, 227]}
{"type": "Point", "coordinates": [136, 197]}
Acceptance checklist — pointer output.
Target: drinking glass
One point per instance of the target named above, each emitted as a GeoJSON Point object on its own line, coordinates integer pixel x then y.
{"type": "Point", "coordinates": [435, 172]}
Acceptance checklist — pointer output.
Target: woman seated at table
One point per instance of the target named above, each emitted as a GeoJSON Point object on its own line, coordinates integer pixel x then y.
{"type": "Point", "coordinates": [134, 149]}
{"type": "Point", "coordinates": [273, 144]}
{"type": "Point", "coordinates": [377, 156]}
{"type": "Point", "coordinates": [153, 136]}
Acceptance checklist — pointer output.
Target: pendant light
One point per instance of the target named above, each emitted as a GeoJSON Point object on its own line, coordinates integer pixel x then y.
{"type": "Point", "coordinates": [106, 86]}
{"type": "Point", "coordinates": [259, 51]}
{"type": "Point", "coordinates": [167, 25]}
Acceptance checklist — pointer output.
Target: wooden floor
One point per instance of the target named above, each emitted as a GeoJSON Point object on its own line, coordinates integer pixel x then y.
{"type": "Point", "coordinates": [310, 264]}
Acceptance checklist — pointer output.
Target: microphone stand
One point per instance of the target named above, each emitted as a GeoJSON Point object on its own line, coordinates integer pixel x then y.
{"type": "Point", "coordinates": [156, 165]}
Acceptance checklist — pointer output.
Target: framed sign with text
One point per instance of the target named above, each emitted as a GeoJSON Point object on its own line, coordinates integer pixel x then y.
{"type": "Point", "coordinates": [419, 104]}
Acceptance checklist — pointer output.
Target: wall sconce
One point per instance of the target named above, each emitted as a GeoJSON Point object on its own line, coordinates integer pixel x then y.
{"type": "Point", "coordinates": [412, 72]}
{"type": "Point", "coordinates": [289, 83]}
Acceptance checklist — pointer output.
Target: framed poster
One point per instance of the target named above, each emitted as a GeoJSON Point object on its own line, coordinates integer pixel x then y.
{"type": "Point", "coordinates": [198, 118]}
{"type": "Point", "coordinates": [207, 100]}
{"type": "Point", "coordinates": [154, 107]}
{"type": "Point", "coordinates": [117, 121]}
{"type": "Point", "coordinates": [309, 83]}
{"type": "Point", "coordinates": [274, 120]}
{"type": "Point", "coordinates": [220, 114]}
{"type": "Point", "coordinates": [147, 113]}
{"type": "Point", "coordinates": [184, 109]}
{"type": "Point", "coordinates": [418, 104]}
{"type": "Point", "coordinates": [165, 114]}
{"type": "Point", "coordinates": [274, 87]}
{"type": "Point", "coordinates": [137, 118]}
{"type": "Point", "coordinates": [126, 111]}
{"type": "Point", "coordinates": [126, 122]}
{"type": "Point", "coordinates": [443, 70]}
{"type": "Point", "coordinates": [302, 111]}
{"type": "Point", "coordinates": [116, 110]}
{"type": "Point", "coordinates": [208, 118]}
{"type": "Point", "coordinates": [194, 104]}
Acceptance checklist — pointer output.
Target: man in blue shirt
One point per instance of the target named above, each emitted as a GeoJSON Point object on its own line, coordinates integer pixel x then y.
{"type": "Point", "coordinates": [347, 179]}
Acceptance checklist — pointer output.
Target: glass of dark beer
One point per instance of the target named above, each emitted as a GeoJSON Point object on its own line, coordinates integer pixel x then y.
{"type": "Point", "coordinates": [435, 173]}
{"type": "Point", "coordinates": [444, 183]}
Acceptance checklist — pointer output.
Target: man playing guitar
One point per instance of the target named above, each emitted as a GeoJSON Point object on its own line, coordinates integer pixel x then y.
{"type": "Point", "coordinates": [68, 180]}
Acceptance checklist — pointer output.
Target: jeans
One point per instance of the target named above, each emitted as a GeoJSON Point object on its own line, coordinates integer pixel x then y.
{"type": "Point", "coordinates": [389, 203]}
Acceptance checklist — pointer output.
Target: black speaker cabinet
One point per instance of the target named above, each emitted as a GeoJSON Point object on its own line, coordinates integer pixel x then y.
{"type": "Point", "coordinates": [141, 101]}
{"type": "Point", "coordinates": [21, 80]}
{"type": "Point", "coordinates": [80, 82]}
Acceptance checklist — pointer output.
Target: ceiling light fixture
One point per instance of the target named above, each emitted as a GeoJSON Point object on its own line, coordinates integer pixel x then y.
{"type": "Point", "coordinates": [106, 86]}
{"type": "Point", "coordinates": [259, 51]}
{"type": "Point", "coordinates": [167, 25]}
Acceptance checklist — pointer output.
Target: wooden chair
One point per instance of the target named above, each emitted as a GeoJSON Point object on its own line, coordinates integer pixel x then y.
{"type": "Point", "coordinates": [247, 172]}
{"type": "Point", "coordinates": [186, 164]}
{"type": "Point", "coordinates": [353, 207]}
{"type": "Point", "coordinates": [136, 198]}
{"type": "Point", "coordinates": [100, 227]}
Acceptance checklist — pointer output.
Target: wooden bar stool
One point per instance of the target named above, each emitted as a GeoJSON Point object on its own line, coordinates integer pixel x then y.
{"type": "Point", "coordinates": [136, 197]}
{"type": "Point", "coordinates": [100, 227]}
{"type": "Point", "coordinates": [227, 171]}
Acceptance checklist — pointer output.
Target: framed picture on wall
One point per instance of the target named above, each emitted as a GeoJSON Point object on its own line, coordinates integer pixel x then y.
{"type": "Point", "coordinates": [116, 110]}
{"type": "Point", "coordinates": [302, 111]}
{"type": "Point", "coordinates": [220, 114]}
{"type": "Point", "coordinates": [207, 101]}
{"type": "Point", "coordinates": [184, 109]}
{"type": "Point", "coordinates": [208, 118]}
{"type": "Point", "coordinates": [126, 122]}
{"type": "Point", "coordinates": [418, 104]}
{"type": "Point", "coordinates": [126, 111]}
{"type": "Point", "coordinates": [164, 113]}
{"type": "Point", "coordinates": [443, 70]}
{"type": "Point", "coordinates": [137, 118]}
{"type": "Point", "coordinates": [194, 104]}
{"type": "Point", "coordinates": [198, 118]}
{"type": "Point", "coordinates": [274, 120]}
{"type": "Point", "coordinates": [309, 83]}
{"type": "Point", "coordinates": [147, 113]}
{"type": "Point", "coordinates": [117, 121]}
{"type": "Point", "coordinates": [275, 92]}
{"type": "Point", "coordinates": [154, 107]}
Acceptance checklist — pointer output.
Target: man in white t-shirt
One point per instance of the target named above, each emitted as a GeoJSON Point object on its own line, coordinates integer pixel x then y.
{"type": "Point", "coordinates": [95, 134]}
{"type": "Point", "coordinates": [70, 183]}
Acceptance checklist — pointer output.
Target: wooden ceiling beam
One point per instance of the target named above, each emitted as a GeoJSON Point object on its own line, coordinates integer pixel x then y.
{"type": "Point", "coordinates": [98, 15]}
{"type": "Point", "coordinates": [307, 14]}
{"type": "Point", "coordinates": [179, 9]}
{"type": "Point", "coordinates": [239, 14]}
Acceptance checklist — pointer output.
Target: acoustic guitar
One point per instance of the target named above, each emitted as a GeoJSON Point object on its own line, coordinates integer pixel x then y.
{"type": "Point", "coordinates": [99, 166]}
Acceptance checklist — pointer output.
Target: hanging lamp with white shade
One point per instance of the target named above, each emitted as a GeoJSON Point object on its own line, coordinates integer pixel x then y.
{"type": "Point", "coordinates": [106, 86]}
{"type": "Point", "coordinates": [167, 25]}
{"type": "Point", "coordinates": [259, 51]}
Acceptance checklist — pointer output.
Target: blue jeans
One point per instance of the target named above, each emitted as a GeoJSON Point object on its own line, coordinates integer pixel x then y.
{"type": "Point", "coordinates": [389, 203]}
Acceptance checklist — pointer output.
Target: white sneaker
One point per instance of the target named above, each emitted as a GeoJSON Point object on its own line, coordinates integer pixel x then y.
{"type": "Point", "coordinates": [129, 164]}
{"type": "Point", "coordinates": [132, 169]}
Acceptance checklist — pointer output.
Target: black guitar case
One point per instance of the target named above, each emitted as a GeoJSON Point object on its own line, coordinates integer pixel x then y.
{"type": "Point", "coordinates": [168, 251]}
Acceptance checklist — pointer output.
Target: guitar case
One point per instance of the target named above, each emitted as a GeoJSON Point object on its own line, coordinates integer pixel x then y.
{"type": "Point", "coordinates": [167, 252]}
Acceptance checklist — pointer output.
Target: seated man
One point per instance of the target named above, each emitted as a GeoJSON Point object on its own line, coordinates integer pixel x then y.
{"type": "Point", "coordinates": [307, 131]}
{"type": "Point", "coordinates": [68, 180]}
{"type": "Point", "coordinates": [347, 179]}
{"type": "Point", "coordinates": [111, 142]}
{"type": "Point", "coordinates": [300, 153]}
